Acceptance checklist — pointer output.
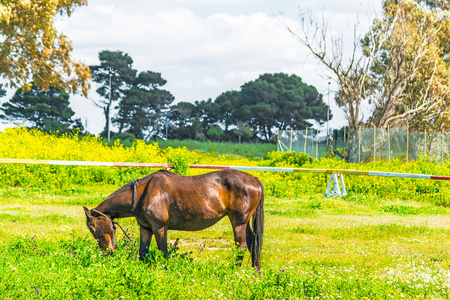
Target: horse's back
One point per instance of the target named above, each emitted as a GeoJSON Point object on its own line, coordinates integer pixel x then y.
{"type": "Point", "coordinates": [233, 180]}
{"type": "Point", "coordinates": [224, 184]}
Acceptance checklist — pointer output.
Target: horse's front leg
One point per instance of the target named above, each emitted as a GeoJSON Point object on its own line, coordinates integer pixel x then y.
{"type": "Point", "coordinates": [146, 238]}
{"type": "Point", "coordinates": [161, 239]}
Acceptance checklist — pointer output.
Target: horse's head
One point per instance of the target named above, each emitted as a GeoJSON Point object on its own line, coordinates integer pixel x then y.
{"type": "Point", "coordinates": [102, 228]}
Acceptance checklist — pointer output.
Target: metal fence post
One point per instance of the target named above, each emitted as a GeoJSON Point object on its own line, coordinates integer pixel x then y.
{"type": "Point", "coordinates": [374, 142]}
{"type": "Point", "coordinates": [442, 146]}
{"type": "Point", "coordinates": [389, 145]}
{"type": "Point", "coordinates": [317, 143]}
{"type": "Point", "coordinates": [306, 137]}
{"type": "Point", "coordinates": [290, 146]}
{"type": "Point", "coordinates": [359, 146]}
{"type": "Point", "coordinates": [425, 143]}
{"type": "Point", "coordinates": [407, 142]}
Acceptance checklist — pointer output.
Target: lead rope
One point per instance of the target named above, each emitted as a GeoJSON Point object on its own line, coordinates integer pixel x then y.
{"type": "Point", "coordinates": [114, 222]}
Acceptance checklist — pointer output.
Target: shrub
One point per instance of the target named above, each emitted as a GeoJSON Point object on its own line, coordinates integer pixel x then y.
{"type": "Point", "coordinates": [180, 158]}
{"type": "Point", "coordinates": [290, 158]}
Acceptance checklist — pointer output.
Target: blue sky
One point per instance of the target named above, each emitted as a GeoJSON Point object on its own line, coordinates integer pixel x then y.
{"type": "Point", "coordinates": [206, 47]}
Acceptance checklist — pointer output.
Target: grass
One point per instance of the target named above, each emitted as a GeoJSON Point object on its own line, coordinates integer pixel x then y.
{"type": "Point", "coordinates": [350, 247]}
{"type": "Point", "coordinates": [257, 150]}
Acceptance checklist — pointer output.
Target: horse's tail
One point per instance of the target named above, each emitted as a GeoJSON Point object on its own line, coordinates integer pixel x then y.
{"type": "Point", "coordinates": [258, 228]}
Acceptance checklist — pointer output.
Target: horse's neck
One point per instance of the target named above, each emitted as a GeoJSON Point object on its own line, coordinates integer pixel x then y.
{"type": "Point", "coordinates": [118, 205]}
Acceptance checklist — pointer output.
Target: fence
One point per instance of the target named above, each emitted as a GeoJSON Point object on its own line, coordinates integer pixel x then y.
{"type": "Point", "coordinates": [306, 141]}
{"type": "Point", "coordinates": [369, 144]}
{"type": "Point", "coordinates": [310, 141]}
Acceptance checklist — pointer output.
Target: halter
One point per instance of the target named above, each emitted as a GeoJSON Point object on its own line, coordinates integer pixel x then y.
{"type": "Point", "coordinates": [114, 223]}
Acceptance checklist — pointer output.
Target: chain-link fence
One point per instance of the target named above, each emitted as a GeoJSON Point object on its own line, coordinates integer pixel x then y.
{"type": "Point", "coordinates": [308, 141]}
{"type": "Point", "coordinates": [368, 144]}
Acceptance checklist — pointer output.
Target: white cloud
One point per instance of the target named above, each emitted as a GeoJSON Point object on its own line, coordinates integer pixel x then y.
{"type": "Point", "coordinates": [104, 9]}
{"type": "Point", "coordinates": [186, 84]}
{"type": "Point", "coordinates": [242, 76]}
{"type": "Point", "coordinates": [209, 82]}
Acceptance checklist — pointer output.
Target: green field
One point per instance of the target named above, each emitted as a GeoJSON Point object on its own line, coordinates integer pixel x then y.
{"type": "Point", "coordinates": [256, 150]}
{"type": "Point", "coordinates": [355, 247]}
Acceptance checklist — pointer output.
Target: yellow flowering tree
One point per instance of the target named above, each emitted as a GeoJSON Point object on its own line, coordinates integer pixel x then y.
{"type": "Point", "coordinates": [31, 49]}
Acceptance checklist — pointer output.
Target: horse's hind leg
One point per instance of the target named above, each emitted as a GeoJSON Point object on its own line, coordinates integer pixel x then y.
{"type": "Point", "coordinates": [250, 237]}
{"type": "Point", "coordinates": [145, 237]}
{"type": "Point", "coordinates": [240, 239]}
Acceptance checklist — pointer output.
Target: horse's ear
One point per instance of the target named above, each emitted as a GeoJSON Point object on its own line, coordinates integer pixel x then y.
{"type": "Point", "coordinates": [87, 211]}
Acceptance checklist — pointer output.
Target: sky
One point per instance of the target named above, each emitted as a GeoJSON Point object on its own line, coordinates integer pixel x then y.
{"type": "Point", "coordinates": [206, 47]}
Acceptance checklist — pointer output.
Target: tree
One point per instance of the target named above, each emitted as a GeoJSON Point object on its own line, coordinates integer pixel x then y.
{"type": "Point", "coordinates": [273, 101]}
{"type": "Point", "coordinates": [142, 104]}
{"type": "Point", "coordinates": [279, 101]}
{"type": "Point", "coordinates": [185, 121]}
{"type": "Point", "coordinates": [214, 132]}
{"type": "Point", "coordinates": [243, 130]}
{"type": "Point", "coordinates": [31, 48]}
{"type": "Point", "coordinates": [115, 76]}
{"type": "Point", "coordinates": [411, 72]}
{"type": "Point", "coordinates": [433, 4]}
{"type": "Point", "coordinates": [47, 110]}
{"type": "Point", "coordinates": [209, 113]}
{"type": "Point", "coordinates": [228, 102]}
{"type": "Point", "coordinates": [351, 72]}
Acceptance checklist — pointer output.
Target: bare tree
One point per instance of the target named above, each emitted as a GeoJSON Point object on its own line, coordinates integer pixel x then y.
{"type": "Point", "coordinates": [351, 72]}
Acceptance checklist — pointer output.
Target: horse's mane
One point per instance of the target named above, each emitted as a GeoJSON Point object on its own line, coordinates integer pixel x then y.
{"type": "Point", "coordinates": [166, 172]}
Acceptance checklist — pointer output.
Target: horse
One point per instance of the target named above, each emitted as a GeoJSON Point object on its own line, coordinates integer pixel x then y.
{"type": "Point", "coordinates": [163, 201]}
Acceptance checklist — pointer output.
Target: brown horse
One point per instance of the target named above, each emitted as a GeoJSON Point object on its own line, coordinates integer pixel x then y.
{"type": "Point", "coordinates": [165, 201]}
